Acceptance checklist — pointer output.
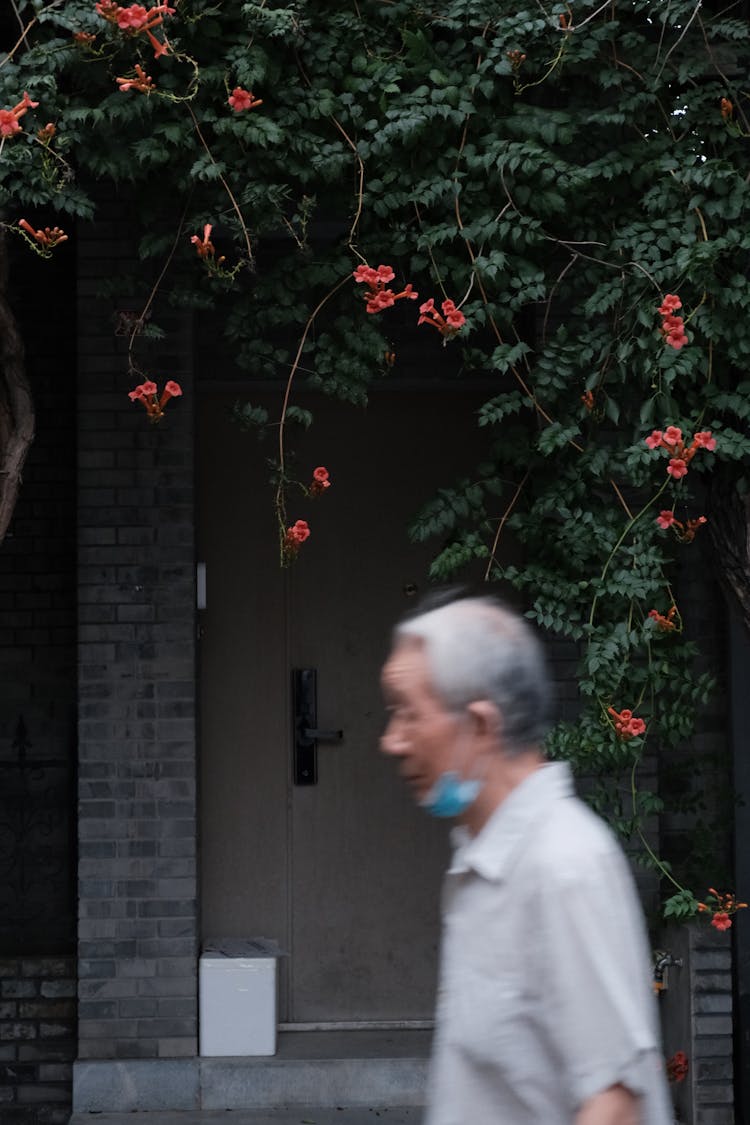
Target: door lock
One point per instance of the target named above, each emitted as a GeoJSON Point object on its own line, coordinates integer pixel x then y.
{"type": "Point", "coordinates": [305, 733]}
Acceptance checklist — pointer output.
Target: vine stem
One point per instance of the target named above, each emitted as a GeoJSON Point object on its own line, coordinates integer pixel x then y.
{"type": "Point", "coordinates": [438, 277]}
{"type": "Point", "coordinates": [280, 506]}
{"type": "Point", "coordinates": [722, 75]}
{"type": "Point", "coordinates": [516, 373]}
{"type": "Point", "coordinates": [225, 185]}
{"type": "Point", "coordinates": [548, 71]}
{"type": "Point", "coordinates": [642, 838]}
{"type": "Point", "coordinates": [501, 525]}
{"type": "Point", "coordinates": [679, 39]}
{"type": "Point", "coordinates": [589, 18]}
{"type": "Point", "coordinates": [357, 157]}
{"type": "Point", "coordinates": [152, 295]}
{"type": "Point", "coordinates": [626, 531]}
{"type": "Point", "coordinates": [26, 29]}
{"type": "Point", "coordinates": [360, 188]}
{"type": "Point", "coordinates": [553, 290]}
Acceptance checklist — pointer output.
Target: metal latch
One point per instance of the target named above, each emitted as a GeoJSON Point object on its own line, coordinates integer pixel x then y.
{"type": "Point", "coordinates": [306, 734]}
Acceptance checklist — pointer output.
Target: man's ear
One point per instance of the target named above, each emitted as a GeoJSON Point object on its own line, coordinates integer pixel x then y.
{"type": "Point", "coordinates": [486, 719]}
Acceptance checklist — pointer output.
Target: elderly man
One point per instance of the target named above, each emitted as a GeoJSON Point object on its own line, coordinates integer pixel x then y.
{"type": "Point", "coordinates": [545, 1011]}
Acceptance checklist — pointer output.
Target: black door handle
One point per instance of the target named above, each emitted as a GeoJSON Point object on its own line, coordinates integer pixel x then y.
{"type": "Point", "coordinates": [305, 732]}
{"type": "Point", "coordinates": [323, 735]}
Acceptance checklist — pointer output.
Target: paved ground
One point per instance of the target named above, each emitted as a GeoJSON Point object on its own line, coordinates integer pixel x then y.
{"type": "Point", "coordinates": [396, 1116]}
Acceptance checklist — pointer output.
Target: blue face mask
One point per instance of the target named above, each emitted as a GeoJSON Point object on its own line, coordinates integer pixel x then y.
{"type": "Point", "coordinates": [450, 795]}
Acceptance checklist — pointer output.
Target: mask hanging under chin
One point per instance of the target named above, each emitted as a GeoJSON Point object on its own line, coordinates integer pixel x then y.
{"type": "Point", "coordinates": [450, 795]}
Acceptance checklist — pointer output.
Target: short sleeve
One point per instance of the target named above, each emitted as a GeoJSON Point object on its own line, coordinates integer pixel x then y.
{"type": "Point", "coordinates": [595, 967]}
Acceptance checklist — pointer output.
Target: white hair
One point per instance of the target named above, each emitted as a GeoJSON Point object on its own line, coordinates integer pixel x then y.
{"type": "Point", "coordinates": [478, 650]}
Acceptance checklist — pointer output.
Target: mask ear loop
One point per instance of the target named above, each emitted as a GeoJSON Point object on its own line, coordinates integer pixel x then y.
{"type": "Point", "coordinates": [465, 719]}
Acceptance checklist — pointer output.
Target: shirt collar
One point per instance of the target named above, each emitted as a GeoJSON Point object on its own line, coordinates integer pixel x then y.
{"type": "Point", "coordinates": [491, 852]}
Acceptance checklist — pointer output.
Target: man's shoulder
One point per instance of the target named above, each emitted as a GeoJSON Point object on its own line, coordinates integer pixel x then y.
{"type": "Point", "coordinates": [570, 837]}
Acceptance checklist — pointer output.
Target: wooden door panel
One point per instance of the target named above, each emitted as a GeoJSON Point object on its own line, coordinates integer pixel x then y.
{"type": "Point", "coordinates": [244, 697]}
{"type": "Point", "coordinates": [346, 873]}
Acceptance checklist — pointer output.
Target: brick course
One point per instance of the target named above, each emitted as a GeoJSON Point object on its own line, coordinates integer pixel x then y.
{"type": "Point", "coordinates": [37, 1039]}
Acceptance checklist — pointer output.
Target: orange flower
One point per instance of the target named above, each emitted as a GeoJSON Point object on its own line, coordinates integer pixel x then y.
{"type": "Point", "coordinates": [24, 104]}
{"type": "Point", "coordinates": [9, 125]}
{"type": "Point", "coordinates": [204, 246]}
{"type": "Point", "coordinates": [448, 324]}
{"type": "Point", "coordinates": [691, 527]}
{"type": "Point", "coordinates": [720, 907]}
{"type": "Point", "coordinates": [727, 109]}
{"type": "Point", "coordinates": [680, 454]}
{"type": "Point", "coordinates": [320, 482]}
{"type": "Point", "coordinates": [171, 390]}
{"type": "Point", "coordinates": [665, 623]}
{"type": "Point", "coordinates": [672, 327]}
{"type": "Point", "coordinates": [626, 725]}
{"type": "Point", "coordinates": [48, 238]}
{"type": "Point", "coordinates": [241, 100]}
{"type": "Point", "coordinates": [142, 81]}
{"type": "Point", "coordinates": [295, 536]}
{"type": "Point", "coordinates": [379, 296]}
{"type": "Point", "coordinates": [677, 1067]}
{"type": "Point", "coordinates": [137, 20]}
{"type": "Point", "coordinates": [147, 393]}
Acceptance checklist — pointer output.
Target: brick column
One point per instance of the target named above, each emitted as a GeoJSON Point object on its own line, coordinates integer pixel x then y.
{"type": "Point", "coordinates": [138, 927]}
{"type": "Point", "coordinates": [696, 1010]}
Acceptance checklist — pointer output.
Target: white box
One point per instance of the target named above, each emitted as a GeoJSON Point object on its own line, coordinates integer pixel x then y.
{"type": "Point", "coordinates": [237, 998]}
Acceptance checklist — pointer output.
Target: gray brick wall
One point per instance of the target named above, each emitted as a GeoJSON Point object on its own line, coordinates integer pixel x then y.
{"type": "Point", "coordinates": [136, 668]}
{"type": "Point", "coordinates": [711, 989]}
{"type": "Point", "coordinates": [37, 1039]}
{"type": "Point", "coordinates": [697, 1018]}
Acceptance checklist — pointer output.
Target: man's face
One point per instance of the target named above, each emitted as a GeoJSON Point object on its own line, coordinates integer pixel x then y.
{"type": "Point", "coordinates": [421, 732]}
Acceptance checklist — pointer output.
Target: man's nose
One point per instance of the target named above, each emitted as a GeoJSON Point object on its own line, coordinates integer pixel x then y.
{"type": "Point", "coordinates": [391, 742]}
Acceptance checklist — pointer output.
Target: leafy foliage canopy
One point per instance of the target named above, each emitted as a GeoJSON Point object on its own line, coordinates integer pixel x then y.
{"type": "Point", "coordinates": [556, 170]}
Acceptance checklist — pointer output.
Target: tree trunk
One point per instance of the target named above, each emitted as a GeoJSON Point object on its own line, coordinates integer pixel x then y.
{"type": "Point", "coordinates": [729, 525]}
{"type": "Point", "coordinates": [16, 403]}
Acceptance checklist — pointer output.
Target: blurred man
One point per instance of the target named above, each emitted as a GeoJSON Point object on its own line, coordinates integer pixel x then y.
{"type": "Point", "coordinates": [545, 1012]}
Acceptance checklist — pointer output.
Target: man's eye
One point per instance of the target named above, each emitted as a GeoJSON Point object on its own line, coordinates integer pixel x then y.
{"type": "Point", "coordinates": [403, 713]}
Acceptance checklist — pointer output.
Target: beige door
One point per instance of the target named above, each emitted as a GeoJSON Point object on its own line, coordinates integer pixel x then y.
{"type": "Point", "coordinates": [345, 874]}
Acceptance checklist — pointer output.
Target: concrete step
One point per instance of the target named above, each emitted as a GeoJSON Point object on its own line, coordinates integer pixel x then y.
{"type": "Point", "coordinates": [365, 1070]}
{"type": "Point", "coordinates": [304, 1115]}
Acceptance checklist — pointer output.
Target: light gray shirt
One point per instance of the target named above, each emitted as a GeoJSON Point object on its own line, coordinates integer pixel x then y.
{"type": "Point", "coordinates": [545, 994]}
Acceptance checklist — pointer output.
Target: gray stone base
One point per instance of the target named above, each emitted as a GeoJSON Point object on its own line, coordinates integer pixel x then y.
{"type": "Point", "coordinates": [309, 1115]}
{"type": "Point", "coordinates": [227, 1084]}
{"type": "Point", "coordinates": [356, 1075]}
{"type": "Point", "coordinates": [136, 1084]}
